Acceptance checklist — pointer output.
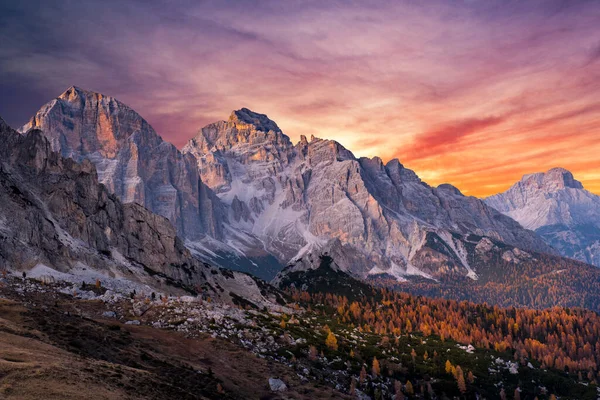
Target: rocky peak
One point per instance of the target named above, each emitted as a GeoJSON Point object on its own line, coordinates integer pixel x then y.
{"type": "Point", "coordinates": [399, 174]}
{"type": "Point", "coordinates": [74, 92]}
{"type": "Point", "coordinates": [323, 150]}
{"type": "Point", "coordinates": [450, 188]}
{"type": "Point", "coordinates": [80, 122]}
{"type": "Point", "coordinates": [260, 122]}
{"type": "Point", "coordinates": [243, 128]}
{"type": "Point", "coordinates": [552, 180]}
{"type": "Point", "coordinates": [131, 159]}
{"type": "Point", "coordinates": [559, 209]}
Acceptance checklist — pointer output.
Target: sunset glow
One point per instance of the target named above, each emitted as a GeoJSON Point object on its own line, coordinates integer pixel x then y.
{"type": "Point", "coordinates": [473, 93]}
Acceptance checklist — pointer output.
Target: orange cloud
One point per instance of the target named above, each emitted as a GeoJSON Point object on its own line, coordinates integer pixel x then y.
{"type": "Point", "coordinates": [473, 93]}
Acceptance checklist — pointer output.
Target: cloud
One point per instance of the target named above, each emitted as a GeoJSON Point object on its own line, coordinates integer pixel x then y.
{"type": "Point", "coordinates": [443, 138]}
{"type": "Point", "coordinates": [452, 89]}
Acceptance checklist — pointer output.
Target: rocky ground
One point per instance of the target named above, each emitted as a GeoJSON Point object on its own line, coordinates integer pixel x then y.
{"type": "Point", "coordinates": [64, 344]}
{"type": "Point", "coordinates": [61, 340]}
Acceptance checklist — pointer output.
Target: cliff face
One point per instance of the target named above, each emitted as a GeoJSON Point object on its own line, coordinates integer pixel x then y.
{"type": "Point", "coordinates": [316, 196]}
{"type": "Point", "coordinates": [131, 159]}
{"type": "Point", "coordinates": [55, 214]}
{"type": "Point", "coordinates": [559, 209]}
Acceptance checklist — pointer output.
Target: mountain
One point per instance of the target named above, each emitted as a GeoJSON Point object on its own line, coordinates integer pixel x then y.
{"type": "Point", "coordinates": [316, 195]}
{"type": "Point", "coordinates": [131, 159]}
{"type": "Point", "coordinates": [58, 221]}
{"type": "Point", "coordinates": [242, 195]}
{"type": "Point", "coordinates": [558, 208]}
{"type": "Point", "coordinates": [135, 164]}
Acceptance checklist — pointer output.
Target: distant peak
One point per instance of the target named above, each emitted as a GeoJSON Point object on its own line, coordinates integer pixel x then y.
{"type": "Point", "coordinates": [260, 121]}
{"type": "Point", "coordinates": [554, 179]}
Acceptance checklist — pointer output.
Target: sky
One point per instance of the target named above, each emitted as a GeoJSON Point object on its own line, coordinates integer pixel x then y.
{"type": "Point", "coordinates": [474, 93]}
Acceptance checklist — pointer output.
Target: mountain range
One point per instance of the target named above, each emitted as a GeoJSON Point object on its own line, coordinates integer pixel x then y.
{"type": "Point", "coordinates": [242, 195]}
{"type": "Point", "coordinates": [57, 222]}
{"type": "Point", "coordinates": [117, 250]}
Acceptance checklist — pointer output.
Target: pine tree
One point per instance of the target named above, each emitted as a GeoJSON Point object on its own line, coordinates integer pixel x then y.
{"type": "Point", "coordinates": [398, 390]}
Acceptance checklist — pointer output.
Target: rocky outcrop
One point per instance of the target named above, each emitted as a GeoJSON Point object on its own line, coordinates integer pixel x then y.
{"type": "Point", "coordinates": [247, 137]}
{"type": "Point", "coordinates": [55, 214]}
{"type": "Point", "coordinates": [316, 196]}
{"type": "Point", "coordinates": [132, 160]}
{"type": "Point", "coordinates": [559, 209]}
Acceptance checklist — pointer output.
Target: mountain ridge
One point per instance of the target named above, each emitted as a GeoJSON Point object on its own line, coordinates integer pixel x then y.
{"type": "Point", "coordinates": [240, 190]}
{"type": "Point", "coordinates": [322, 196]}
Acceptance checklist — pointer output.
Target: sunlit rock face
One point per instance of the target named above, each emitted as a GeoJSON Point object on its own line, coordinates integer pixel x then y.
{"type": "Point", "coordinates": [559, 209]}
{"type": "Point", "coordinates": [316, 196]}
{"type": "Point", "coordinates": [57, 219]}
{"type": "Point", "coordinates": [54, 212]}
{"type": "Point", "coordinates": [131, 159]}
{"type": "Point", "coordinates": [246, 137]}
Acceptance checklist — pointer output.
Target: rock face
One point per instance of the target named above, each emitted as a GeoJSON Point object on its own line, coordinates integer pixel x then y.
{"type": "Point", "coordinates": [559, 209]}
{"type": "Point", "coordinates": [315, 196]}
{"type": "Point", "coordinates": [131, 159]}
{"type": "Point", "coordinates": [55, 214]}
{"type": "Point", "coordinates": [243, 196]}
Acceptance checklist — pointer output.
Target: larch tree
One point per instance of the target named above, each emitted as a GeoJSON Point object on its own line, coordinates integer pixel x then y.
{"type": "Point", "coordinates": [331, 341]}
{"type": "Point", "coordinates": [375, 370]}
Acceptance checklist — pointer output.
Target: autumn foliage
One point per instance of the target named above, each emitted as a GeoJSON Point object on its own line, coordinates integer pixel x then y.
{"type": "Point", "coordinates": [560, 338]}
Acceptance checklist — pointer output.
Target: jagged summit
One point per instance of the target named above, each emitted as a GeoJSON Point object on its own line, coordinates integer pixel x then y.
{"type": "Point", "coordinates": [450, 188]}
{"type": "Point", "coordinates": [131, 159]}
{"type": "Point", "coordinates": [76, 90]}
{"type": "Point", "coordinates": [260, 122]}
{"type": "Point", "coordinates": [81, 121]}
{"type": "Point", "coordinates": [554, 179]}
{"type": "Point", "coordinates": [317, 196]}
{"type": "Point", "coordinates": [244, 127]}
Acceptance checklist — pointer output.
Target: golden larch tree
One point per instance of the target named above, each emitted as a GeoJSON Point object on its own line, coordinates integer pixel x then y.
{"type": "Point", "coordinates": [331, 341]}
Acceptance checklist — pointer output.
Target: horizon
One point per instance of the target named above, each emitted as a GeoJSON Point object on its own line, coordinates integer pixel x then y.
{"type": "Point", "coordinates": [488, 91]}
